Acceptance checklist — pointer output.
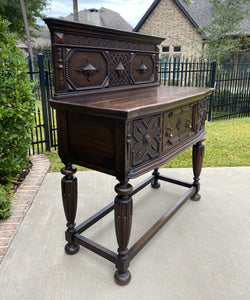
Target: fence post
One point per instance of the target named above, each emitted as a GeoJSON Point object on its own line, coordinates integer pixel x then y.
{"type": "Point", "coordinates": [44, 100]}
{"type": "Point", "coordinates": [30, 68]}
{"type": "Point", "coordinates": [213, 73]}
{"type": "Point", "coordinates": [174, 70]}
{"type": "Point", "coordinates": [212, 84]}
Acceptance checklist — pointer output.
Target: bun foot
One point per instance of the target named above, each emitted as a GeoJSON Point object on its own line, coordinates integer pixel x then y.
{"type": "Point", "coordinates": [195, 197]}
{"type": "Point", "coordinates": [71, 248]}
{"type": "Point", "coordinates": [122, 278]}
{"type": "Point", "coordinates": [155, 184]}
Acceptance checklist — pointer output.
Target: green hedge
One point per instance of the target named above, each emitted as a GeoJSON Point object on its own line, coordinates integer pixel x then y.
{"type": "Point", "coordinates": [16, 112]}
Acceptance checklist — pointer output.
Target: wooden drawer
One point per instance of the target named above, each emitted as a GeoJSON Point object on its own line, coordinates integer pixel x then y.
{"type": "Point", "coordinates": [178, 125]}
{"type": "Point", "coordinates": [146, 139]}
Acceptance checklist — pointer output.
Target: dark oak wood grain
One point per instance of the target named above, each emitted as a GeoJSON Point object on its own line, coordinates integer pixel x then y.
{"type": "Point", "coordinates": [113, 117]}
{"type": "Point", "coordinates": [69, 196]}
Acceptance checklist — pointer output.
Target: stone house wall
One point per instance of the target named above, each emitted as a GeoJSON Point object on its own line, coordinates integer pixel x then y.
{"type": "Point", "coordinates": [167, 20]}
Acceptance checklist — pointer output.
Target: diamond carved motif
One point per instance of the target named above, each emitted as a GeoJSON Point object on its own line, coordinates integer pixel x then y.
{"type": "Point", "coordinates": [88, 70]}
{"type": "Point", "coordinates": [59, 37]}
{"type": "Point", "coordinates": [120, 69]}
{"type": "Point", "coordinates": [142, 68]}
{"type": "Point", "coordinates": [146, 139]}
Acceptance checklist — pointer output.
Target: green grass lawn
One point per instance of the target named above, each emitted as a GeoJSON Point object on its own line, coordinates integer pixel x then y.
{"type": "Point", "coordinates": [227, 144]}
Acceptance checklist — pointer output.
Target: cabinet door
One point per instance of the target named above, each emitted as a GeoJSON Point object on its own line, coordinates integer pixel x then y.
{"type": "Point", "coordinates": [178, 126]}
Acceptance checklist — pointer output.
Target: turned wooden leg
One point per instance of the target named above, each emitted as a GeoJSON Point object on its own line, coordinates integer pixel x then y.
{"type": "Point", "coordinates": [156, 184]}
{"type": "Point", "coordinates": [198, 154]}
{"type": "Point", "coordinates": [123, 222]}
{"type": "Point", "coordinates": [69, 197]}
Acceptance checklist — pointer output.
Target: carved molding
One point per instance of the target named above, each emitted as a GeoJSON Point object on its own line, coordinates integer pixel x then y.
{"type": "Point", "coordinates": [82, 40]}
{"type": "Point", "coordinates": [60, 66]}
{"type": "Point", "coordinates": [202, 113]}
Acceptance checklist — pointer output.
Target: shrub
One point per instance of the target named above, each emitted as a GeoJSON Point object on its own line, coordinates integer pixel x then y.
{"type": "Point", "coordinates": [16, 107]}
{"type": "Point", "coordinates": [4, 203]}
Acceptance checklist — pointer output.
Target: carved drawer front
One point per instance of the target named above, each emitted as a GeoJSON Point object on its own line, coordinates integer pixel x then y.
{"type": "Point", "coordinates": [146, 139]}
{"type": "Point", "coordinates": [178, 126]}
{"type": "Point", "coordinates": [86, 69]}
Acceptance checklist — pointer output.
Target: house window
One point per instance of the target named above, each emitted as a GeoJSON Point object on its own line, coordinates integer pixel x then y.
{"type": "Point", "coordinates": [165, 49]}
{"type": "Point", "coordinates": [177, 48]}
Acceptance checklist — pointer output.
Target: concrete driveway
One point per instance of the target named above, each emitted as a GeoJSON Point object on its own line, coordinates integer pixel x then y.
{"type": "Point", "coordinates": [202, 253]}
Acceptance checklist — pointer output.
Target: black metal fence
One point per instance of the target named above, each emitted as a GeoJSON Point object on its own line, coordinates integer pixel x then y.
{"type": "Point", "coordinates": [231, 97]}
{"type": "Point", "coordinates": [196, 73]}
{"type": "Point", "coordinates": [231, 82]}
{"type": "Point", "coordinates": [43, 135]}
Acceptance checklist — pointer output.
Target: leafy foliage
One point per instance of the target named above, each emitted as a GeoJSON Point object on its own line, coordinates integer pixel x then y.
{"type": "Point", "coordinates": [4, 202]}
{"type": "Point", "coordinates": [16, 108]}
{"type": "Point", "coordinates": [223, 33]}
{"type": "Point", "coordinates": [187, 2]}
{"type": "Point", "coordinates": [11, 11]}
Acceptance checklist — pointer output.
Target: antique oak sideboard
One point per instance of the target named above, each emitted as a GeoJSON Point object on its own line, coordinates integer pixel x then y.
{"type": "Point", "coordinates": [114, 117]}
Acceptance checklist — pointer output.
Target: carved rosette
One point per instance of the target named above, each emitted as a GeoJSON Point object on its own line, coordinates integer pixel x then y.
{"type": "Point", "coordinates": [146, 141]}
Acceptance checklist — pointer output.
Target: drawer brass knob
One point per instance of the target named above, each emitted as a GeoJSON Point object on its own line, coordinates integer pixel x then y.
{"type": "Point", "coordinates": [169, 132]}
{"type": "Point", "coordinates": [188, 124]}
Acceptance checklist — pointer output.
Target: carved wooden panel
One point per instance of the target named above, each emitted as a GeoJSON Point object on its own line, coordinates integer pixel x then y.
{"type": "Point", "coordinates": [60, 72]}
{"type": "Point", "coordinates": [146, 139]}
{"type": "Point", "coordinates": [178, 126]}
{"type": "Point", "coordinates": [119, 68]}
{"type": "Point", "coordinates": [81, 69]}
{"type": "Point", "coordinates": [110, 44]}
{"type": "Point", "coordinates": [201, 114]}
{"type": "Point", "coordinates": [142, 68]}
{"type": "Point", "coordinates": [93, 57]}
{"type": "Point", "coordinates": [86, 69]}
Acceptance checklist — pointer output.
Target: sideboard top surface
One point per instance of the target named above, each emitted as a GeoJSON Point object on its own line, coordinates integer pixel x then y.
{"type": "Point", "coordinates": [132, 102]}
